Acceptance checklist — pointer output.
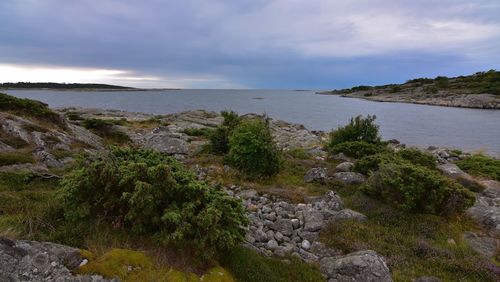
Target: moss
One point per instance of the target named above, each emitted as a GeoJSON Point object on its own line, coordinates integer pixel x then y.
{"type": "Point", "coordinates": [118, 263]}
{"type": "Point", "coordinates": [10, 158]}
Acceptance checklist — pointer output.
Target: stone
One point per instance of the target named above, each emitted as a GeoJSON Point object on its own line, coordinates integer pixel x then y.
{"type": "Point", "coordinates": [260, 235]}
{"type": "Point", "coordinates": [306, 245]}
{"type": "Point", "coordinates": [426, 279]}
{"type": "Point", "coordinates": [272, 244]}
{"type": "Point", "coordinates": [349, 178]}
{"type": "Point", "coordinates": [317, 174]}
{"type": "Point", "coordinates": [165, 142]}
{"type": "Point", "coordinates": [295, 223]}
{"type": "Point", "coordinates": [313, 220]}
{"type": "Point", "coordinates": [486, 209]}
{"type": "Point", "coordinates": [344, 167]}
{"type": "Point", "coordinates": [270, 216]}
{"type": "Point", "coordinates": [454, 172]}
{"type": "Point", "coordinates": [348, 214]}
{"type": "Point", "coordinates": [321, 250]}
{"type": "Point", "coordinates": [247, 194]}
{"type": "Point", "coordinates": [250, 239]}
{"type": "Point", "coordinates": [309, 236]}
{"type": "Point", "coordinates": [279, 237]}
{"type": "Point", "coordinates": [367, 266]}
{"type": "Point", "coordinates": [283, 225]}
{"type": "Point", "coordinates": [486, 246]}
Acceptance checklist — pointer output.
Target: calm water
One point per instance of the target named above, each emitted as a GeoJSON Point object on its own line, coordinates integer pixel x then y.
{"type": "Point", "coordinates": [467, 129]}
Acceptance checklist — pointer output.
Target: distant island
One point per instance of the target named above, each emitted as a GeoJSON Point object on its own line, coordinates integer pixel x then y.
{"type": "Point", "coordinates": [63, 86]}
{"type": "Point", "coordinates": [480, 90]}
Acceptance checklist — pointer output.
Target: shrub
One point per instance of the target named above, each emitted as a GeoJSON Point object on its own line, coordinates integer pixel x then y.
{"type": "Point", "coordinates": [29, 108]}
{"type": "Point", "coordinates": [418, 157]}
{"type": "Point", "coordinates": [10, 158]}
{"type": "Point", "coordinates": [481, 165]}
{"type": "Point", "coordinates": [359, 129]}
{"type": "Point", "coordinates": [205, 132]}
{"type": "Point", "coordinates": [105, 129]}
{"type": "Point", "coordinates": [357, 149]}
{"type": "Point", "coordinates": [417, 189]}
{"type": "Point", "coordinates": [153, 195]}
{"type": "Point", "coordinates": [219, 138]}
{"type": "Point", "coordinates": [253, 150]}
{"type": "Point", "coordinates": [371, 163]}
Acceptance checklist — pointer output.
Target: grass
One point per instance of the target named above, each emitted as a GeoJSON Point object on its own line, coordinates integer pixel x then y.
{"type": "Point", "coordinates": [414, 244]}
{"type": "Point", "coordinates": [29, 108]}
{"type": "Point", "coordinates": [13, 141]}
{"type": "Point", "coordinates": [248, 266]}
{"type": "Point", "coordinates": [10, 158]}
{"type": "Point", "coordinates": [201, 132]}
{"type": "Point", "coordinates": [481, 165]}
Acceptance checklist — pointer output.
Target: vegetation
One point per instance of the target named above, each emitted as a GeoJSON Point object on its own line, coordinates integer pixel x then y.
{"type": "Point", "coordinates": [68, 86]}
{"type": "Point", "coordinates": [357, 149]}
{"type": "Point", "coordinates": [248, 266]}
{"type": "Point", "coordinates": [29, 108]}
{"type": "Point", "coordinates": [252, 149]}
{"type": "Point", "coordinates": [358, 129]}
{"type": "Point", "coordinates": [204, 132]}
{"type": "Point", "coordinates": [10, 158]}
{"type": "Point", "coordinates": [219, 139]}
{"type": "Point", "coordinates": [106, 129]}
{"type": "Point", "coordinates": [152, 194]}
{"type": "Point", "coordinates": [415, 188]}
{"type": "Point", "coordinates": [481, 165]}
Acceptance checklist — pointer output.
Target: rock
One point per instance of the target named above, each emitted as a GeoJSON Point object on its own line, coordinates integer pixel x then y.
{"type": "Point", "coordinates": [349, 178]}
{"type": "Point", "coordinates": [283, 225]}
{"type": "Point", "coordinates": [165, 142]}
{"type": "Point", "coordinates": [359, 266]}
{"type": "Point", "coordinates": [454, 172]}
{"type": "Point", "coordinates": [344, 167]}
{"type": "Point", "coordinates": [313, 220]}
{"type": "Point", "coordinates": [486, 209]}
{"type": "Point", "coordinates": [342, 157]}
{"type": "Point", "coordinates": [260, 235]}
{"type": "Point", "coordinates": [317, 174]}
{"type": "Point", "coordinates": [486, 246]}
{"type": "Point", "coordinates": [306, 245]}
{"type": "Point", "coordinates": [247, 194]}
{"type": "Point", "coordinates": [40, 261]}
{"type": "Point", "coordinates": [347, 214]}
{"type": "Point", "coordinates": [85, 136]}
{"type": "Point", "coordinates": [309, 236]}
{"type": "Point", "coordinates": [272, 245]}
{"type": "Point", "coordinates": [295, 223]}
{"type": "Point", "coordinates": [321, 250]}
{"type": "Point", "coordinates": [279, 237]}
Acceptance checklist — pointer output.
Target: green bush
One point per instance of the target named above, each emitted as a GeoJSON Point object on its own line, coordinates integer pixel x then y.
{"type": "Point", "coordinates": [205, 132]}
{"type": "Point", "coordinates": [252, 149]}
{"type": "Point", "coordinates": [358, 129]}
{"type": "Point", "coordinates": [30, 108]}
{"type": "Point", "coordinates": [415, 188]}
{"type": "Point", "coordinates": [481, 165]}
{"type": "Point", "coordinates": [153, 195]}
{"type": "Point", "coordinates": [370, 163]}
{"type": "Point", "coordinates": [219, 138]}
{"type": "Point", "coordinates": [357, 149]}
{"type": "Point", "coordinates": [417, 157]}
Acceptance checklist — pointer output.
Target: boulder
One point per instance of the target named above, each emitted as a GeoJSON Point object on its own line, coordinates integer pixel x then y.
{"type": "Point", "coordinates": [486, 209]}
{"type": "Point", "coordinates": [313, 220]}
{"type": "Point", "coordinates": [486, 246]}
{"type": "Point", "coordinates": [344, 167]}
{"type": "Point", "coordinates": [367, 266]}
{"type": "Point", "coordinates": [284, 226]}
{"type": "Point", "coordinates": [454, 172]}
{"type": "Point", "coordinates": [349, 178]}
{"type": "Point", "coordinates": [166, 142]}
{"type": "Point", "coordinates": [321, 250]}
{"type": "Point", "coordinates": [347, 214]}
{"type": "Point", "coordinates": [317, 174]}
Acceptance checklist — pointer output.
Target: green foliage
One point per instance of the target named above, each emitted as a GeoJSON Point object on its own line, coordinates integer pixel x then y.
{"type": "Point", "coordinates": [154, 195]}
{"type": "Point", "coordinates": [10, 158]}
{"type": "Point", "coordinates": [106, 129]}
{"type": "Point", "coordinates": [357, 149]}
{"type": "Point", "coordinates": [252, 149]}
{"type": "Point", "coordinates": [205, 132]}
{"type": "Point", "coordinates": [417, 157]}
{"type": "Point", "coordinates": [358, 129]}
{"type": "Point", "coordinates": [29, 108]}
{"type": "Point", "coordinates": [415, 188]}
{"type": "Point", "coordinates": [248, 266]}
{"type": "Point", "coordinates": [481, 165]}
{"type": "Point", "coordinates": [420, 81]}
{"type": "Point", "coordinates": [298, 153]}
{"type": "Point", "coordinates": [219, 139]}
{"type": "Point", "coordinates": [371, 163]}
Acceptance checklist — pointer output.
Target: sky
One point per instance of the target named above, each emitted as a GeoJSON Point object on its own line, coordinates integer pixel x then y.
{"type": "Point", "coordinates": [256, 44]}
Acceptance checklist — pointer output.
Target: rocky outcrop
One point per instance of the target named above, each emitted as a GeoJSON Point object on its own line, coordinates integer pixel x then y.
{"type": "Point", "coordinates": [454, 172]}
{"type": "Point", "coordinates": [486, 209]}
{"type": "Point", "coordinates": [366, 266]}
{"type": "Point", "coordinates": [349, 178]}
{"type": "Point", "coordinates": [40, 261]}
{"type": "Point", "coordinates": [317, 174]}
{"type": "Point", "coordinates": [487, 246]}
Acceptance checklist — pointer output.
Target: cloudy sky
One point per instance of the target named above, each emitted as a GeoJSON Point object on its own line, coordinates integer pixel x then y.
{"type": "Point", "coordinates": [314, 44]}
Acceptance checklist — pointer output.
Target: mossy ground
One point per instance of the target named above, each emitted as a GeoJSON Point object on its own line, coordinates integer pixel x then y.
{"type": "Point", "coordinates": [482, 166]}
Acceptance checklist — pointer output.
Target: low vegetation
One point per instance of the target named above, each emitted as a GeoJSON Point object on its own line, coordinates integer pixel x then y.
{"type": "Point", "coordinates": [252, 149]}
{"type": "Point", "coordinates": [30, 109]}
{"type": "Point", "coordinates": [107, 130]}
{"type": "Point", "coordinates": [10, 158]}
{"type": "Point", "coordinates": [152, 194]}
{"type": "Point", "coordinates": [219, 139]}
{"type": "Point", "coordinates": [482, 166]}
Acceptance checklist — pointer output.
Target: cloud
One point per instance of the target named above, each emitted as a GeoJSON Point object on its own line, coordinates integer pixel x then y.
{"type": "Point", "coordinates": [254, 43]}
